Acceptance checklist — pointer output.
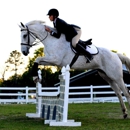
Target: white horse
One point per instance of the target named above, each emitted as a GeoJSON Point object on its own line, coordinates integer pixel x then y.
{"type": "Point", "coordinates": [58, 52]}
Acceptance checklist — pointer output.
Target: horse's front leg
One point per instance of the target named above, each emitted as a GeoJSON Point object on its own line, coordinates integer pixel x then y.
{"type": "Point", "coordinates": [35, 72]}
{"type": "Point", "coordinates": [50, 60]}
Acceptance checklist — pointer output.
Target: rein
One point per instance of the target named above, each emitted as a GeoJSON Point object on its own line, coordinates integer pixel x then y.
{"type": "Point", "coordinates": [33, 35]}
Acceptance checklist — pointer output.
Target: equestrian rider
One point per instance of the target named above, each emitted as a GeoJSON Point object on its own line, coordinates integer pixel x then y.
{"type": "Point", "coordinates": [72, 32]}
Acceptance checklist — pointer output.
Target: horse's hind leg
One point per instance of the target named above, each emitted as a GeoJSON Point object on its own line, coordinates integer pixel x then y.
{"type": "Point", "coordinates": [119, 95]}
{"type": "Point", "coordinates": [117, 90]}
{"type": "Point", "coordinates": [124, 89]}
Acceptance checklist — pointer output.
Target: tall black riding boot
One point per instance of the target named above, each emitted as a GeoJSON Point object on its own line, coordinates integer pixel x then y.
{"type": "Point", "coordinates": [82, 49]}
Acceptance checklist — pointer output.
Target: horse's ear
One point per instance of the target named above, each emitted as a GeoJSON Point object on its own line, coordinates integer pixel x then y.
{"type": "Point", "coordinates": [22, 25]}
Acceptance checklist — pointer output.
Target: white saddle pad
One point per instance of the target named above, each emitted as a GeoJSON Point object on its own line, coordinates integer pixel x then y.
{"type": "Point", "coordinates": [92, 49]}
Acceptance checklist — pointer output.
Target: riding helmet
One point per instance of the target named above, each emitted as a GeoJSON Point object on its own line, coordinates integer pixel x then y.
{"type": "Point", "coordinates": [54, 12]}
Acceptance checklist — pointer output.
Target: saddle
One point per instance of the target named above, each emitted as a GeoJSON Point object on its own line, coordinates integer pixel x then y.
{"type": "Point", "coordinates": [84, 44]}
{"type": "Point", "coordinates": [84, 48]}
{"type": "Point", "coordinates": [88, 42]}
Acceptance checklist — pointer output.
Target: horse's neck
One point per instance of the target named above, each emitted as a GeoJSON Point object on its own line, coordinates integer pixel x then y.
{"type": "Point", "coordinates": [53, 45]}
{"type": "Point", "coordinates": [53, 29]}
{"type": "Point", "coordinates": [58, 44]}
{"type": "Point", "coordinates": [59, 47]}
{"type": "Point", "coordinates": [52, 41]}
{"type": "Point", "coordinates": [42, 34]}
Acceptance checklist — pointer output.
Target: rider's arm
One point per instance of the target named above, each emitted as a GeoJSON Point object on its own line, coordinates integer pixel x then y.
{"type": "Point", "coordinates": [57, 35]}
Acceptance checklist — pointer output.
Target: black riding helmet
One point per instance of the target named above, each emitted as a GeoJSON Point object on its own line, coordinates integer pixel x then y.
{"type": "Point", "coordinates": [54, 12]}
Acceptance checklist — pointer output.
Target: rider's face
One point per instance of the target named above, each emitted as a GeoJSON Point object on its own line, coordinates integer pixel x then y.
{"type": "Point", "coordinates": [51, 17]}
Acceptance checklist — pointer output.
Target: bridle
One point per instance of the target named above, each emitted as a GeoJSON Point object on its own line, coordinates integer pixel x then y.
{"type": "Point", "coordinates": [33, 35]}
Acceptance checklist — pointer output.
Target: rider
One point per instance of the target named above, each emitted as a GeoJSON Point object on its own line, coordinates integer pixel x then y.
{"type": "Point", "coordinates": [72, 32]}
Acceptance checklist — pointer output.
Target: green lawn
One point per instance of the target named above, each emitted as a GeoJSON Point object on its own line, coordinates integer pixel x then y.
{"type": "Point", "coordinates": [95, 116]}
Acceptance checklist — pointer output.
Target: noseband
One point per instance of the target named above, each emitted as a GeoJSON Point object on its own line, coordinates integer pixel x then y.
{"type": "Point", "coordinates": [33, 35]}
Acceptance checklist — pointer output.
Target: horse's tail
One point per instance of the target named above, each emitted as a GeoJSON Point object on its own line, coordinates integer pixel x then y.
{"type": "Point", "coordinates": [125, 60]}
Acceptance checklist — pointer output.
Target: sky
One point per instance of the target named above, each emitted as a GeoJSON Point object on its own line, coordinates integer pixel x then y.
{"type": "Point", "coordinates": [107, 22]}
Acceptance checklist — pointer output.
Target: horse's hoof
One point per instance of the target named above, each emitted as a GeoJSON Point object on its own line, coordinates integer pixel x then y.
{"type": "Point", "coordinates": [39, 80]}
{"type": "Point", "coordinates": [35, 79]}
{"type": "Point", "coordinates": [125, 116]}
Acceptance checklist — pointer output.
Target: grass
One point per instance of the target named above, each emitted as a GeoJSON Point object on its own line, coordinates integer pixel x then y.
{"type": "Point", "coordinates": [95, 116]}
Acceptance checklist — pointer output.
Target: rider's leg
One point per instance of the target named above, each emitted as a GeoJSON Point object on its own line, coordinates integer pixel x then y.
{"type": "Point", "coordinates": [82, 49]}
{"type": "Point", "coordinates": [77, 37]}
{"type": "Point", "coordinates": [79, 45]}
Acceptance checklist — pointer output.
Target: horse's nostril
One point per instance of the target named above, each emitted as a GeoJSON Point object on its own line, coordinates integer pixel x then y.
{"type": "Point", "coordinates": [24, 53]}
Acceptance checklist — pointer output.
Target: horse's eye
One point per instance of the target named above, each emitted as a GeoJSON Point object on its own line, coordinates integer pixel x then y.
{"type": "Point", "coordinates": [24, 36]}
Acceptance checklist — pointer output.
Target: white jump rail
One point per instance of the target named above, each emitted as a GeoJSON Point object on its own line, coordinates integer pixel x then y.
{"type": "Point", "coordinates": [49, 103]}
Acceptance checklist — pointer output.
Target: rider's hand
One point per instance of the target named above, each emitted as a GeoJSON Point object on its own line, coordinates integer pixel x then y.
{"type": "Point", "coordinates": [47, 29]}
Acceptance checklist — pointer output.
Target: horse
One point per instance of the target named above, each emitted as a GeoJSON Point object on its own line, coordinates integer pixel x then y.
{"type": "Point", "coordinates": [58, 52]}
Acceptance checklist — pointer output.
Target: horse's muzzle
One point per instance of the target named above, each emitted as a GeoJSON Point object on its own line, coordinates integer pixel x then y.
{"type": "Point", "coordinates": [24, 53]}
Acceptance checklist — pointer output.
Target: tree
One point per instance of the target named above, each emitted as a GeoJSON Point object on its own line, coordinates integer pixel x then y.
{"type": "Point", "coordinates": [26, 78]}
{"type": "Point", "coordinates": [48, 76]}
{"type": "Point", "coordinates": [37, 53]}
{"type": "Point", "coordinates": [4, 69]}
{"type": "Point", "coordinates": [14, 62]}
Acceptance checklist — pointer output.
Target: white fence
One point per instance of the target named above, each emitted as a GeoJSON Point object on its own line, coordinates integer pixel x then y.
{"type": "Point", "coordinates": [20, 97]}
{"type": "Point", "coordinates": [77, 94]}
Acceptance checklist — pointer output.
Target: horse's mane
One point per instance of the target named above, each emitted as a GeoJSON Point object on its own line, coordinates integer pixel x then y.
{"type": "Point", "coordinates": [35, 22]}
{"type": "Point", "coordinates": [39, 22]}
